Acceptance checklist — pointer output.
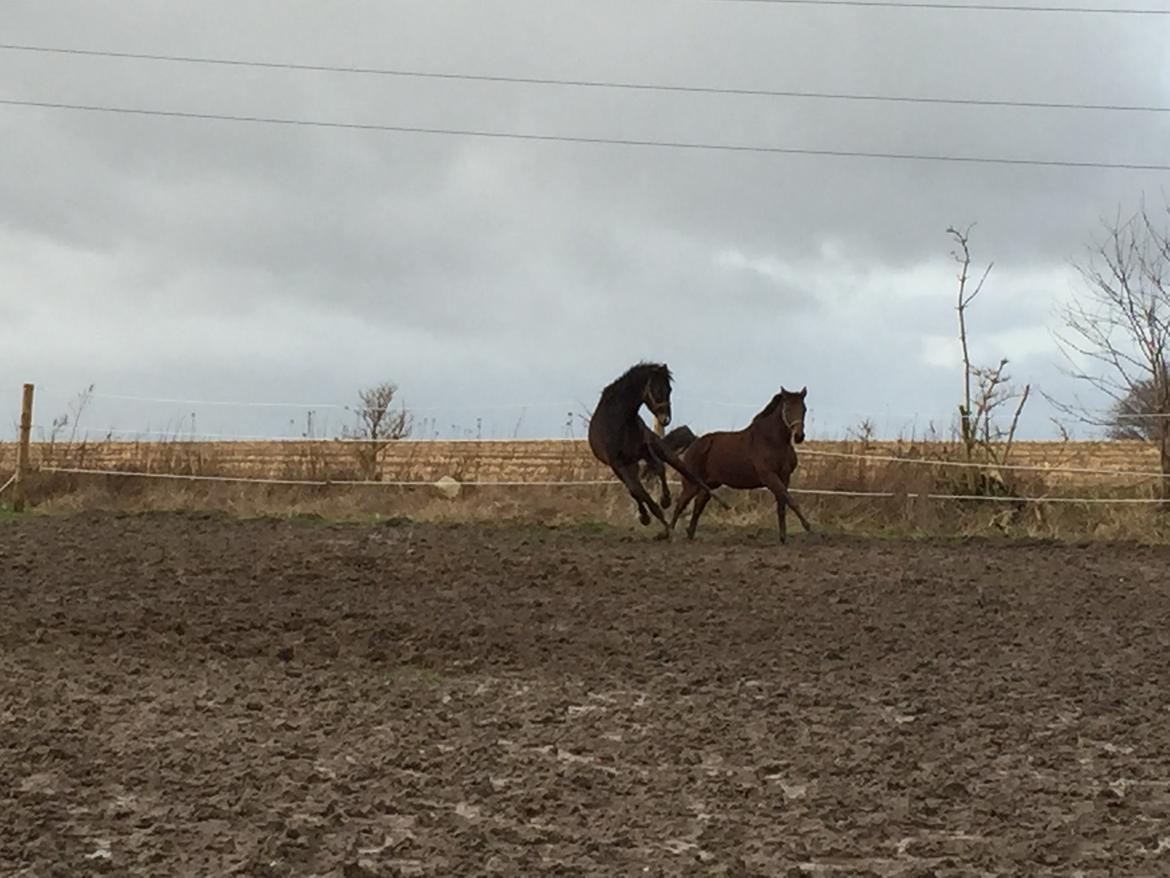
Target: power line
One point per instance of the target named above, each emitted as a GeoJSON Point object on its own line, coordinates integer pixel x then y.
{"type": "Point", "coordinates": [968, 7]}
{"type": "Point", "coordinates": [581, 83]}
{"type": "Point", "coordinates": [612, 141]}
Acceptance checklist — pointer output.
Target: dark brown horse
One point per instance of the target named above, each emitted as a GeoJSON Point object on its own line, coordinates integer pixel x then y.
{"type": "Point", "coordinates": [762, 455]}
{"type": "Point", "coordinates": [620, 439]}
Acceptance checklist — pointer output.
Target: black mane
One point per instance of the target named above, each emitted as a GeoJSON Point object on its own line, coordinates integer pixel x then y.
{"type": "Point", "coordinates": [635, 378]}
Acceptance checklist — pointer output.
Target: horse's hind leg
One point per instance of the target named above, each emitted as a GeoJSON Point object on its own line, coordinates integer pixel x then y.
{"type": "Point", "coordinates": [688, 493]}
{"type": "Point", "coordinates": [700, 505]}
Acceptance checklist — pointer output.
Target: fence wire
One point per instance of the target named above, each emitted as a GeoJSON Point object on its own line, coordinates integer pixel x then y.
{"type": "Point", "coordinates": [558, 483]}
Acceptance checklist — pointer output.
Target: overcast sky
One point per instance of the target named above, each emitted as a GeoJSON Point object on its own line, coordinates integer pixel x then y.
{"type": "Point", "coordinates": [223, 261]}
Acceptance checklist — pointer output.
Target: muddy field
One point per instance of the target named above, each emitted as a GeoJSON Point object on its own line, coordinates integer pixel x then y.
{"type": "Point", "coordinates": [188, 695]}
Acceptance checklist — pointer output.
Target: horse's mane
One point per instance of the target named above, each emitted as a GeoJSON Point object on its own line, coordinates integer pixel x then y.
{"type": "Point", "coordinates": [638, 371]}
{"type": "Point", "coordinates": [769, 408]}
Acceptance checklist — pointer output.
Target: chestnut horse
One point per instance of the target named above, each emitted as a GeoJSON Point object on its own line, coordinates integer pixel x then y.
{"type": "Point", "coordinates": [619, 438]}
{"type": "Point", "coordinates": [762, 455]}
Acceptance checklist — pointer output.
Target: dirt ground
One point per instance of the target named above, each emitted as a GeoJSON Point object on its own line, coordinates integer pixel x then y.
{"type": "Point", "coordinates": [192, 695]}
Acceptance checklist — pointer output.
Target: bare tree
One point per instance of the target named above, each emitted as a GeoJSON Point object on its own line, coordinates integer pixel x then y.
{"type": "Point", "coordinates": [994, 391]}
{"type": "Point", "coordinates": [1136, 417]}
{"type": "Point", "coordinates": [986, 389]}
{"type": "Point", "coordinates": [1116, 335]}
{"type": "Point", "coordinates": [377, 426]}
{"type": "Point", "coordinates": [966, 297]}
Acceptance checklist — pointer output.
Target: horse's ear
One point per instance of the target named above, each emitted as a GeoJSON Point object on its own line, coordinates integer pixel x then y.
{"type": "Point", "coordinates": [783, 392]}
{"type": "Point", "coordinates": [803, 392]}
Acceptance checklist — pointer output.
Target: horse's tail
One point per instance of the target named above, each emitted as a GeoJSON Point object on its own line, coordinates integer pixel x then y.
{"type": "Point", "coordinates": [669, 456]}
{"type": "Point", "coordinates": [679, 439]}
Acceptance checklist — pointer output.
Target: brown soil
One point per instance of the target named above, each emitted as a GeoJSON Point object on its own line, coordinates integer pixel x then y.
{"type": "Point", "coordinates": [185, 695]}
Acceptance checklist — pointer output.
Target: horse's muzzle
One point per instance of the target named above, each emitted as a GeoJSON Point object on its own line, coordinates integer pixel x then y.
{"type": "Point", "coordinates": [663, 417]}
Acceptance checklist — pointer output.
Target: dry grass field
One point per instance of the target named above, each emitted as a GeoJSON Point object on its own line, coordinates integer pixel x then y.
{"type": "Point", "coordinates": [540, 484]}
{"type": "Point", "coordinates": [547, 460]}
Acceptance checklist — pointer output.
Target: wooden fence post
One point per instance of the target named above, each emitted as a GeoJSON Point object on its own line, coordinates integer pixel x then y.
{"type": "Point", "coordinates": [22, 450]}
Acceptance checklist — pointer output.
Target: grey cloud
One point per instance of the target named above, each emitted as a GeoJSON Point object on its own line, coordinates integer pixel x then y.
{"type": "Point", "coordinates": [474, 271]}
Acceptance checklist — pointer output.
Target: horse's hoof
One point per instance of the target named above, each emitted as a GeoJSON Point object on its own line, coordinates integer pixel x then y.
{"type": "Point", "coordinates": [666, 501]}
{"type": "Point", "coordinates": [663, 537]}
{"type": "Point", "coordinates": [644, 517]}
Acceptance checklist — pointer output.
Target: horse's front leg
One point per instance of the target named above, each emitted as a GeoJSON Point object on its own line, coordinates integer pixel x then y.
{"type": "Point", "coordinates": [780, 491]}
{"type": "Point", "coordinates": [800, 515]}
{"type": "Point", "coordinates": [655, 465]}
{"type": "Point", "coordinates": [643, 513]}
{"type": "Point", "coordinates": [629, 477]}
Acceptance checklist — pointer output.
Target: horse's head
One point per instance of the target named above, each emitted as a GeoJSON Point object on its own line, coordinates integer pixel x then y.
{"type": "Point", "coordinates": [792, 410]}
{"type": "Point", "coordinates": [656, 393]}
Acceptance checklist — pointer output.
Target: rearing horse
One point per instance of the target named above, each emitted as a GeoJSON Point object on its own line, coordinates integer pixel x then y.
{"type": "Point", "coordinates": [762, 455]}
{"type": "Point", "coordinates": [619, 438]}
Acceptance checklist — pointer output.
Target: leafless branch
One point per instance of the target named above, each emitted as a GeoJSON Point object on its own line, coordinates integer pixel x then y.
{"type": "Point", "coordinates": [1117, 335]}
{"type": "Point", "coordinates": [377, 426]}
{"type": "Point", "coordinates": [1011, 434]}
{"type": "Point", "coordinates": [992, 386]}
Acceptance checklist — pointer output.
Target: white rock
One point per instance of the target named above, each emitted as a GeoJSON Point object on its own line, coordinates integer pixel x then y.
{"type": "Point", "coordinates": [448, 487]}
